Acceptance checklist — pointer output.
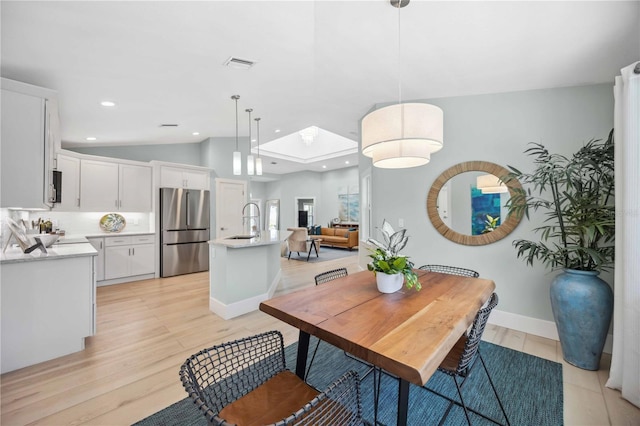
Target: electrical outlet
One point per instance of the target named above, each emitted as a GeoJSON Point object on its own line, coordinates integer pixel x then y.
{"type": "Point", "coordinates": [401, 223]}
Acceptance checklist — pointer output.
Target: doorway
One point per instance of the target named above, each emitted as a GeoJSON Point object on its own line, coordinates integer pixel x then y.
{"type": "Point", "coordinates": [305, 213]}
{"type": "Point", "coordinates": [230, 198]}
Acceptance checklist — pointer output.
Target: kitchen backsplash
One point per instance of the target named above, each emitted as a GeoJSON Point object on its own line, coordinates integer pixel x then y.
{"type": "Point", "coordinates": [76, 223]}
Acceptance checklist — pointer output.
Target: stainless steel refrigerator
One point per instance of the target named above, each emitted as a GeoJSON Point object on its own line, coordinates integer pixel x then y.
{"type": "Point", "coordinates": [184, 224]}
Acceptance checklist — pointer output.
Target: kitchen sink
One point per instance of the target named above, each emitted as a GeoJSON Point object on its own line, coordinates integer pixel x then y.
{"type": "Point", "coordinates": [240, 237]}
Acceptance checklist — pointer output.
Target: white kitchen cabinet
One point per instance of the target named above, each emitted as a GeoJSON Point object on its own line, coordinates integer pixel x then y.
{"type": "Point", "coordinates": [70, 168]}
{"type": "Point", "coordinates": [176, 177]}
{"type": "Point", "coordinates": [48, 306]}
{"type": "Point", "coordinates": [128, 256]}
{"type": "Point", "coordinates": [98, 244]}
{"type": "Point", "coordinates": [134, 187]}
{"type": "Point", "coordinates": [107, 186]}
{"type": "Point", "coordinates": [98, 185]}
{"type": "Point", "coordinates": [27, 145]}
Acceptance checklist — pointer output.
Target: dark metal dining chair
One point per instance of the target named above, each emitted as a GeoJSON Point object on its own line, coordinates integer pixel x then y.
{"type": "Point", "coordinates": [322, 278]}
{"type": "Point", "coordinates": [331, 275]}
{"type": "Point", "coordinates": [245, 382]}
{"type": "Point", "coordinates": [451, 270]}
{"type": "Point", "coordinates": [462, 358]}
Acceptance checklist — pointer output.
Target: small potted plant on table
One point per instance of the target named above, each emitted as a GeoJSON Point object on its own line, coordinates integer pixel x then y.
{"type": "Point", "coordinates": [390, 267]}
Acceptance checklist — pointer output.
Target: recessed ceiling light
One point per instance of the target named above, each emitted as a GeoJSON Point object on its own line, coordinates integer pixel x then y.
{"type": "Point", "coordinates": [277, 130]}
{"type": "Point", "coordinates": [195, 133]}
{"type": "Point", "coordinates": [346, 162]}
{"type": "Point", "coordinates": [91, 138]}
{"type": "Point", "coordinates": [108, 104]}
{"type": "Point", "coordinates": [253, 139]}
{"type": "Point", "coordinates": [324, 167]}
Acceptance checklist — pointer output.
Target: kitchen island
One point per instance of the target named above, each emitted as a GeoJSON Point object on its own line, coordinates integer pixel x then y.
{"type": "Point", "coordinates": [243, 272]}
{"type": "Point", "coordinates": [48, 303]}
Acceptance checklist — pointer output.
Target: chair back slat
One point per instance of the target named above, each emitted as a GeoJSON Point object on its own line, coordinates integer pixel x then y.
{"type": "Point", "coordinates": [219, 375]}
{"type": "Point", "coordinates": [330, 275]}
{"type": "Point", "coordinates": [475, 335]}
{"type": "Point", "coordinates": [451, 270]}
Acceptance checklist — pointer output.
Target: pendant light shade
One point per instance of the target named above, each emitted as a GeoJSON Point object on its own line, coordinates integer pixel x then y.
{"type": "Point", "coordinates": [258, 160]}
{"type": "Point", "coordinates": [237, 156]}
{"type": "Point", "coordinates": [237, 163]}
{"type": "Point", "coordinates": [404, 134]}
{"type": "Point", "coordinates": [250, 170]}
{"type": "Point", "coordinates": [490, 184]}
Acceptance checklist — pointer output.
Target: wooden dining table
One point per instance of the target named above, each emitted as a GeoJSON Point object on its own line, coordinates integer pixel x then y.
{"type": "Point", "coordinates": [407, 333]}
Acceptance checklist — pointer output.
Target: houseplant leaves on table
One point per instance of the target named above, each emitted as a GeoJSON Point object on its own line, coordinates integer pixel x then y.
{"type": "Point", "coordinates": [576, 195]}
{"type": "Point", "coordinates": [387, 262]}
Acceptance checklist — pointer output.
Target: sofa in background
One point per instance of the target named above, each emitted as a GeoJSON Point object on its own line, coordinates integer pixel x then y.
{"type": "Point", "coordinates": [338, 237]}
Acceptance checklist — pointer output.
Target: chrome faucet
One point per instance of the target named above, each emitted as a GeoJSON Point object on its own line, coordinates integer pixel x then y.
{"type": "Point", "coordinates": [257, 234]}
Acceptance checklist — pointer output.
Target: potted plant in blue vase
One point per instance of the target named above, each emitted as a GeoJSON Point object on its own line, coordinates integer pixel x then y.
{"type": "Point", "coordinates": [576, 195]}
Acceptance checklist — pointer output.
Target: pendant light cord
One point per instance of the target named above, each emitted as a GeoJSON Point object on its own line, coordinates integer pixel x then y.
{"type": "Point", "coordinates": [235, 98]}
{"type": "Point", "coordinates": [399, 56]}
{"type": "Point", "coordinates": [257, 119]}
{"type": "Point", "coordinates": [249, 110]}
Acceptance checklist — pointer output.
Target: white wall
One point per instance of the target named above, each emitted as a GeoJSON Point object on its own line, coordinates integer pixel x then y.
{"type": "Point", "coordinates": [493, 128]}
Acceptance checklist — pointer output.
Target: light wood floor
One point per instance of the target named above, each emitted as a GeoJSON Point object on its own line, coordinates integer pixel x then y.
{"type": "Point", "coordinates": [146, 329]}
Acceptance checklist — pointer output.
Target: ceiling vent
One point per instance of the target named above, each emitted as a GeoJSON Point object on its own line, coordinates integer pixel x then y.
{"type": "Point", "coordinates": [242, 64]}
{"type": "Point", "coordinates": [168, 125]}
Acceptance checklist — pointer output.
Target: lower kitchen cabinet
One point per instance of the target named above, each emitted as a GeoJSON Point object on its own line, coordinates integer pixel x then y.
{"type": "Point", "coordinates": [129, 256]}
{"type": "Point", "coordinates": [48, 306]}
{"type": "Point", "coordinates": [98, 244]}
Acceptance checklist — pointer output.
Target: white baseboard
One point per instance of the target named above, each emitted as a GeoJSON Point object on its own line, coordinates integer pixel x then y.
{"type": "Point", "coordinates": [534, 326]}
{"type": "Point", "coordinates": [232, 310]}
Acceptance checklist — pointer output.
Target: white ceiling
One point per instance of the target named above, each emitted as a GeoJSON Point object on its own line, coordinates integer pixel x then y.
{"type": "Point", "coordinates": [322, 63]}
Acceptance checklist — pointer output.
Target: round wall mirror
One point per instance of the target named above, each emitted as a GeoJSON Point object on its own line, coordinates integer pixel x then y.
{"type": "Point", "coordinates": [466, 203]}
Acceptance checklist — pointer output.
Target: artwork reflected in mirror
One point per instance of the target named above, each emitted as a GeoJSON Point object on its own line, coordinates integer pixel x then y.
{"type": "Point", "coordinates": [466, 203]}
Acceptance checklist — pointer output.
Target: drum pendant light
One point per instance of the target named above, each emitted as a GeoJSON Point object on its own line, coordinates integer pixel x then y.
{"type": "Point", "coordinates": [237, 156]}
{"type": "Point", "coordinates": [250, 156]}
{"type": "Point", "coordinates": [258, 160]}
{"type": "Point", "coordinates": [404, 134]}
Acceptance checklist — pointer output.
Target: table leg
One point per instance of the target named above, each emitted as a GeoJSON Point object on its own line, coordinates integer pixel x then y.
{"type": "Point", "coordinates": [403, 402]}
{"type": "Point", "coordinates": [303, 349]}
{"type": "Point", "coordinates": [312, 245]}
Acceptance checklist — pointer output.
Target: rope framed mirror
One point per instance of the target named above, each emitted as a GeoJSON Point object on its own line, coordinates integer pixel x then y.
{"type": "Point", "coordinates": [494, 234]}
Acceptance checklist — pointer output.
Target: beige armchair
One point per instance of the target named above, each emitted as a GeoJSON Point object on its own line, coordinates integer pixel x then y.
{"type": "Point", "coordinates": [297, 241]}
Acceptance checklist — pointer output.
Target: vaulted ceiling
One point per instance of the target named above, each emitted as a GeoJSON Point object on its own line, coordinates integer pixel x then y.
{"type": "Point", "coordinates": [317, 63]}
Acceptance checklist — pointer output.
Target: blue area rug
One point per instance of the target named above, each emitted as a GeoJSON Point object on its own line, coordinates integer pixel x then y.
{"type": "Point", "coordinates": [530, 389]}
{"type": "Point", "coordinates": [324, 254]}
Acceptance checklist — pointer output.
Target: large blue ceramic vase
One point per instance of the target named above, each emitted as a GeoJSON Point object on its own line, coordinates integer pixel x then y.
{"type": "Point", "coordinates": [582, 306]}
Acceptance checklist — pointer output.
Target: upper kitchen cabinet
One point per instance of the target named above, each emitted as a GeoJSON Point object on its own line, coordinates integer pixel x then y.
{"type": "Point", "coordinates": [191, 177]}
{"type": "Point", "coordinates": [70, 196]}
{"type": "Point", "coordinates": [108, 186]}
{"type": "Point", "coordinates": [30, 137]}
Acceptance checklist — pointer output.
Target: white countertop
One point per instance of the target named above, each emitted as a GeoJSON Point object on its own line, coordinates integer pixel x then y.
{"type": "Point", "coordinates": [107, 234]}
{"type": "Point", "coordinates": [266, 238]}
{"type": "Point", "coordinates": [56, 251]}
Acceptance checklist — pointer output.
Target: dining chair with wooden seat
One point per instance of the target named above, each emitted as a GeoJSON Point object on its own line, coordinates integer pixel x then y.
{"type": "Point", "coordinates": [462, 358]}
{"type": "Point", "coordinates": [451, 270]}
{"type": "Point", "coordinates": [245, 382]}
{"type": "Point", "coordinates": [322, 278]}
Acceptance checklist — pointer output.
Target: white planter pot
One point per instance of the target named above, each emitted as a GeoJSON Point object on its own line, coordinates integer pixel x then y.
{"type": "Point", "coordinates": [389, 283]}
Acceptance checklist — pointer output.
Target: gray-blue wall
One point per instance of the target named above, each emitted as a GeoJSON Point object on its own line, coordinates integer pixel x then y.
{"type": "Point", "coordinates": [493, 128]}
